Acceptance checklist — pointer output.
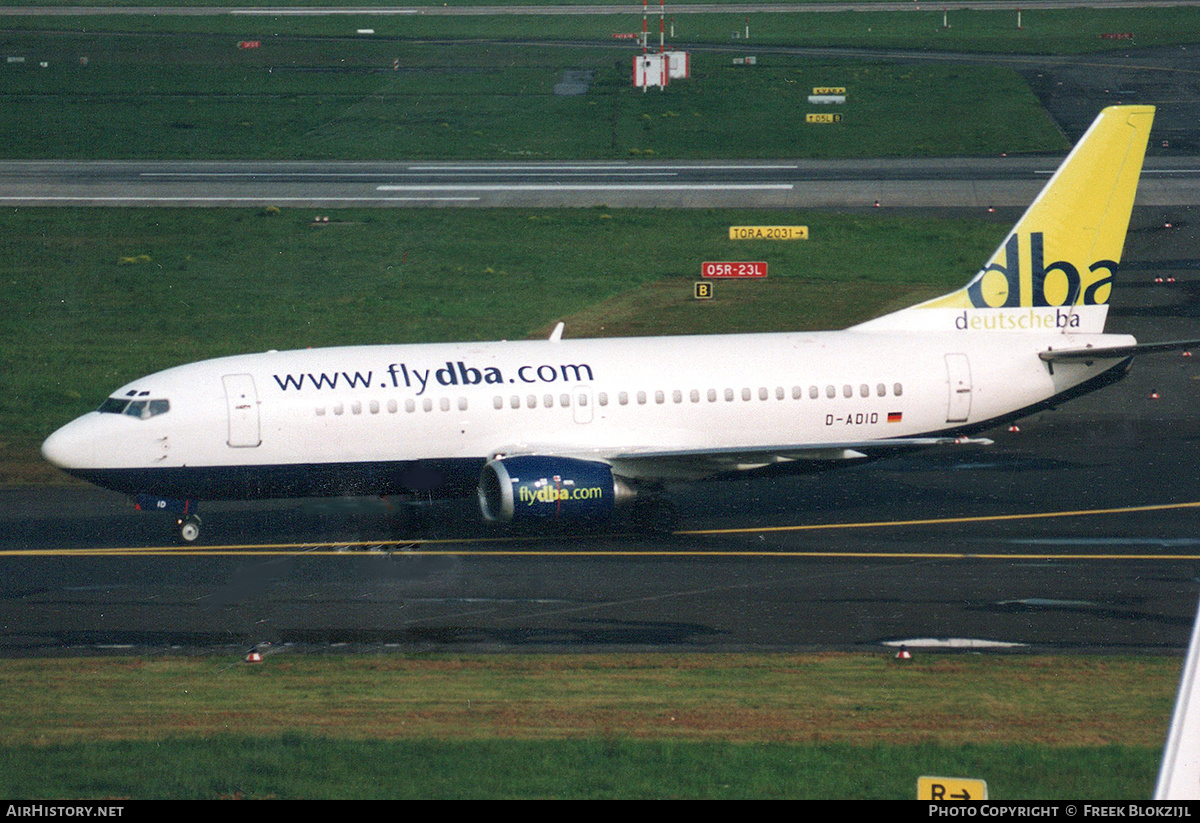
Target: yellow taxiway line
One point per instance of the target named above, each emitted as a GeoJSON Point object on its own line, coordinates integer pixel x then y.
{"type": "Point", "coordinates": [429, 547]}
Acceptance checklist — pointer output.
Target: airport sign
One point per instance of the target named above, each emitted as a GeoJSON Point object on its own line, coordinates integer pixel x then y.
{"type": "Point", "coordinates": [732, 269]}
{"type": "Point", "coordinates": [768, 232]}
{"type": "Point", "coordinates": [951, 788]}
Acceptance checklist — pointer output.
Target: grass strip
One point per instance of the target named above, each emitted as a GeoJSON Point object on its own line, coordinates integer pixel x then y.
{"type": "Point", "coordinates": [298, 766]}
{"type": "Point", "coordinates": [199, 97]}
{"type": "Point", "coordinates": [622, 725]}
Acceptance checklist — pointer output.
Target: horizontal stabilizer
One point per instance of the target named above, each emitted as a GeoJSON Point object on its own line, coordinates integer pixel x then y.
{"type": "Point", "coordinates": [1114, 352]}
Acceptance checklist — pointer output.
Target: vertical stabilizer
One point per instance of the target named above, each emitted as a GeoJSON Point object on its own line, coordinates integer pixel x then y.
{"type": "Point", "coordinates": [1054, 271]}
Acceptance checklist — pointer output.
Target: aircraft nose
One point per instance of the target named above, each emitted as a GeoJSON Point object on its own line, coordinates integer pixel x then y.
{"type": "Point", "coordinates": [73, 446]}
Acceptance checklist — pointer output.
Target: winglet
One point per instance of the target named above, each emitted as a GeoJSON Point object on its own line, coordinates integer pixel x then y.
{"type": "Point", "coordinates": [556, 335]}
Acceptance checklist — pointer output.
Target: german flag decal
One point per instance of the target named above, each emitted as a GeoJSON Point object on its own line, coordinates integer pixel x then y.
{"type": "Point", "coordinates": [895, 417]}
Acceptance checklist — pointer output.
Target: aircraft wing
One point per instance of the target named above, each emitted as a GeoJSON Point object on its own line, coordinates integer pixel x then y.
{"type": "Point", "coordinates": [698, 463]}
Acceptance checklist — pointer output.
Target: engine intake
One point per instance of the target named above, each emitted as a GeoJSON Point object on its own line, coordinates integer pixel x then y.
{"type": "Point", "coordinates": [536, 487]}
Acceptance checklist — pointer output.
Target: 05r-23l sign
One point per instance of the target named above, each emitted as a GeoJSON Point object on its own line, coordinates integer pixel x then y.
{"type": "Point", "coordinates": [733, 269]}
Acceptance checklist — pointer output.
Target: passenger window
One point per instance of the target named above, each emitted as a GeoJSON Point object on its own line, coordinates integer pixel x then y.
{"type": "Point", "coordinates": [897, 389]}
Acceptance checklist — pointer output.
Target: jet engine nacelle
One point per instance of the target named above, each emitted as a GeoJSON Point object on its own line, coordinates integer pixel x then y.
{"type": "Point", "coordinates": [537, 487]}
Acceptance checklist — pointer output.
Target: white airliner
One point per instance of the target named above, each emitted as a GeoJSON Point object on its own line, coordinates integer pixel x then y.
{"type": "Point", "coordinates": [560, 429]}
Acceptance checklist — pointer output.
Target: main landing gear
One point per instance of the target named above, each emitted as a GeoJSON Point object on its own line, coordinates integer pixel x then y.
{"type": "Point", "coordinates": [654, 514]}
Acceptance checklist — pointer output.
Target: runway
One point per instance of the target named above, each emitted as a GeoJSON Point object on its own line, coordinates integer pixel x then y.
{"type": "Point", "coordinates": [566, 9]}
{"type": "Point", "coordinates": [977, 183]}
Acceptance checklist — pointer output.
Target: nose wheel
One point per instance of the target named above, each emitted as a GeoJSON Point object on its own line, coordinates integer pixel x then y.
{"type": "Point", "coordinates": [189, 528]}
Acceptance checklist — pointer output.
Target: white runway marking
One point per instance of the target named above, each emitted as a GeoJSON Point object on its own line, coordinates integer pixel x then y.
{"type": "Point", "coordinates": [215, 200]}
{"type": "Point", "coordinates": [592, 187]}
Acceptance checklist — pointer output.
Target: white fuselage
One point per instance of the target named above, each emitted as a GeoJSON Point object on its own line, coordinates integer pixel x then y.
{"type": "Point", "coordinates": [453, 406]}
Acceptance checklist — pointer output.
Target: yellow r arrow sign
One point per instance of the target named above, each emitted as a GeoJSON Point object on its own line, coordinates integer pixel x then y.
{"type": "Point", "coordinates": [951, 788]}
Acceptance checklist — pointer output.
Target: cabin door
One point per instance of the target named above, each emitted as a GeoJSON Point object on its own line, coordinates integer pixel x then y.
{"type": "Point", "coordinates": [958, 369]}
{"type": "Point", "coordinates": [241, 400]}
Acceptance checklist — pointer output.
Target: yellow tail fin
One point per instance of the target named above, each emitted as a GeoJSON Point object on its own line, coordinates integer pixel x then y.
{"type": "Point", "coordinates": [1055, 269]}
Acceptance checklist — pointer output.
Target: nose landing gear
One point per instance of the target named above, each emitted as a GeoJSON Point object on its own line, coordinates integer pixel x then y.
{"type": "Point", "coordinates": [189, 528]}
{"type": "Point", "coordinates": [186, 518]}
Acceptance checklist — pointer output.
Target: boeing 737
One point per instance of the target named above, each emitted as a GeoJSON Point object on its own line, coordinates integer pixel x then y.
{"type": "Point", "coordinates": [561, 429]}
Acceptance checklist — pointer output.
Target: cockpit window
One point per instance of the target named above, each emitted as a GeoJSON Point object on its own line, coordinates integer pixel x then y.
{"type": "Point", "coordinates": [142, 409]}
